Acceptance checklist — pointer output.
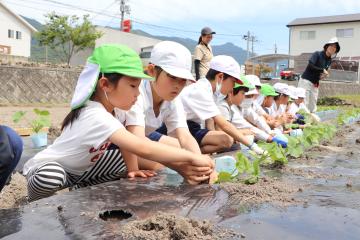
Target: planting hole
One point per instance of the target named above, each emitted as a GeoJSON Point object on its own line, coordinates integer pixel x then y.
{"type": "Point", "coordinates": [115, 215]}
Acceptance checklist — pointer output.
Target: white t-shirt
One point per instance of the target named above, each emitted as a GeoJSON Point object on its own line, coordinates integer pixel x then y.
{"type": "Point", "coordinates": [142, 113]}
{"type": "Point", "coordinates": [251, 116]}
{"type": "Point", "coordinates": [258, 109]}
{"type": "Point", "coordinates": [234, 115]}
{"type": "Point", "coordinates": [82, 143]}
{"type": "Point", "coordinates": [225, 110]}
{"type": "Point", "coordinates": [275, 111]}
{"type": "Point", "coordinates": [198, 101]}
{"type": "Point", "coordinates": [294, 108]}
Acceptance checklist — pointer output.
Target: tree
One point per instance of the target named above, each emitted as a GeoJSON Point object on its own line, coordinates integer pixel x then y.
{"type": "Point", "coordinates": [66, 35]}
{"type": "Point", "coordinates": [264, 69]}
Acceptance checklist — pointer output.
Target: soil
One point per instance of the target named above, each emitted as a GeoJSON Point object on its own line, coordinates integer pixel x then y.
{"type": "Point", "coordinates": [268, 190]}
{"type": "Point", "coordinates": [169, 226]}
{"type": "Point", "coordinates": [57, 115]}
{"type": "Point", "coordinates": [54, 132]}
{"type": "Point", "coordinates": [14, 194]}
{"type": "Point", "coordinates": [332, 101]}
{"type": "Point", "coordinates": [308, 173]}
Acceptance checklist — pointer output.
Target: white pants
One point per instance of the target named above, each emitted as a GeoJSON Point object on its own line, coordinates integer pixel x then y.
{"type": "Point", "coordinates": [312, 94]}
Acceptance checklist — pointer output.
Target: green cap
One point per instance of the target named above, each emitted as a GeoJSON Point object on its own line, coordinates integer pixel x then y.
{"type": "Point", "coordinates": [268, 90]}
{"type": "Point", "coordinates": [114, 58]}
{"type": "Point", "coordinates": [107, 58]}
{"type": "Point", "coordinates": [246, 83]}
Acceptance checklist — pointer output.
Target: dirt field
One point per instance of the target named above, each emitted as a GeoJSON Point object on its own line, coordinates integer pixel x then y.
{"type": "Point", "coordinates": [57, 114]}
{"type": "Point", "coordinates": [14, 194]}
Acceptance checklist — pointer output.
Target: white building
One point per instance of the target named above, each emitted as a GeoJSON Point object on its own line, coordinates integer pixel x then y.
{"type": "Point", "coordinates": [141, 44]}
{"type": "Point", "coordinates": [307, 35]}
{"type": "Point", "coordinates": [15, 33]}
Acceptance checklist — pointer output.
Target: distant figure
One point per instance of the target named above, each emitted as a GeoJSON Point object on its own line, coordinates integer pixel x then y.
{"type": "Point", "coordinates": [11, 147]}
{"type": "Point", "coordinates": [316, 70]}
{"type": "Point", "coordinates": [203, 53]}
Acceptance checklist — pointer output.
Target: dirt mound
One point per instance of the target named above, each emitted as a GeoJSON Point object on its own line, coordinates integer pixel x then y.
{"type": "Point", "coordinates": [169, 226]}
{"type": "Point", "coordinates": [15, 193]}
{"type": "Point", "coordinates": [332, 101]}
{"type": "Point", "coordinates": [308, 173]}
{"type": "Point", "coordinates": [54, 132]}
{"type": "Point", "coordinates": [267, 190]}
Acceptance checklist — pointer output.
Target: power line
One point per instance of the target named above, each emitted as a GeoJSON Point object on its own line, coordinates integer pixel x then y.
{"type": "Point", "coordinates": [138, 20]}
{"type": "Point", "coordinates": [135, 20]}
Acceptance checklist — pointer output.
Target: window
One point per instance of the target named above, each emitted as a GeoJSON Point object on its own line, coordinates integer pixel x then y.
{"type": "Point", "coordinates": [345, 33]}
{"type": "Point", "coordinates": [307, 35]}
{"type": "Point", "coordinates": [10, 33]}
{"type": "Point", "coordinates": [145, 54]}
{"type": "Point", "coordinates": [18, 35]}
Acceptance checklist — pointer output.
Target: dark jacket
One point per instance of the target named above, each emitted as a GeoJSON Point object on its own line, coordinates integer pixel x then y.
{"type": "Point", "coordinates": [317, 63]}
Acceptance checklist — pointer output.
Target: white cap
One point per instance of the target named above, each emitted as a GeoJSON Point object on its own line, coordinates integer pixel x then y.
{"type": "Point", "coordinates": [293, 92]}
{"type": "Point", "coordinates": [301, 92]}
{"type": "Point", "coordinates": [333, 40]}
{"type": "Point", "coordinates": [253, 91]}
{"type": "Point", "coordinates": [173, 58]}
{"type": "Point", "coordinates": [282, 88]}
{"type": "Point", "coordinates": [254, 80]}
{"type": "Point", "coordinates": [226, 64]}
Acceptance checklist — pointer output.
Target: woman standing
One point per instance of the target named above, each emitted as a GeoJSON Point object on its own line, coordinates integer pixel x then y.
{"type": "Point", "coordinates": [316, 70]}
{"type": "Point", "coordinates": [203, 53]}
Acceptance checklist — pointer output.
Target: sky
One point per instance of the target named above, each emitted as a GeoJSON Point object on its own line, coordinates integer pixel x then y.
{"type": "Point", "coordinates": [230, 19]}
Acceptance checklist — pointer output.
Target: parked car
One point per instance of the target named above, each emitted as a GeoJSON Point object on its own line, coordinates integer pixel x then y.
{"type": "Point", "coordinates": [290, 75]}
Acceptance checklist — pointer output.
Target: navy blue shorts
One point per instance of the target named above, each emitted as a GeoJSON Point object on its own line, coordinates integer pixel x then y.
{"type": "Point", "coordinates": [196, 131]}
{"type": "Point", "coordinates": [158, 133]}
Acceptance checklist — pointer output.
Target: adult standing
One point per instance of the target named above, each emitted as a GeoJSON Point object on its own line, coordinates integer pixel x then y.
{"type": "Point", "coordinates": [203, 53]}
{"type": "Point", "coordinates": [316, 70]}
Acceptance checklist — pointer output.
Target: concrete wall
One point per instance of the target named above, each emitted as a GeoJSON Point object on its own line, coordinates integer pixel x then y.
{"type": "Point", "coordinates": [20, 85]}
{"type": "Point", "coordinates": [323, 32]}
{"type": "Point", "coordinates": [19, 47]}
{"type": "Point", "coordinates": [26, 85]}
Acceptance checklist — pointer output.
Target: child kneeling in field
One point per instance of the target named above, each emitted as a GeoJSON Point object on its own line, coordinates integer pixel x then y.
{"type": "Point", "coordinates": [80, 156]}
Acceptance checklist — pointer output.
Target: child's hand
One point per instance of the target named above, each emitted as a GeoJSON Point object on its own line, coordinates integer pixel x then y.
{"type": "Point", "coordinates": [213, 177]}
{"type": "Point", "coordinates": [203, 161]}
{"type": "Point", "coordinates": [141, 173]}
{"type": "Point", "coordinates": [193, 174]}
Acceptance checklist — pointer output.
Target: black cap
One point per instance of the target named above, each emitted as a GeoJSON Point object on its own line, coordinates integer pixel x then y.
{"type": "Point", "coordinates": [206, 31]}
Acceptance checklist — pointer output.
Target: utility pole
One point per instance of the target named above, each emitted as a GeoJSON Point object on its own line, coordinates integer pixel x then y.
{"type": "Point", "coordinates": [123, 9]}
{"type": "Point", "coordinates": [275, 50]}
{"type": "Point", "coordinates": [250, 38]}
{"type": "Point", "coordinates": [247, 38]}
{"type": "Point", "coordinates": [46, 54]}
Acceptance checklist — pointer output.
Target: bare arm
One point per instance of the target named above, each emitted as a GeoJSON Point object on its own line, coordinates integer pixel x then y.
{"type": "Point", "coordinates": [130, 158]}
{"type": "Point", "coordinates": [156, 151]}
{"type": "Point", "coordinates": [231, 130]}
{"type": "Point", "coordinates": [209, 124]}
{"type": "Point", "coordinates": [187, 141]}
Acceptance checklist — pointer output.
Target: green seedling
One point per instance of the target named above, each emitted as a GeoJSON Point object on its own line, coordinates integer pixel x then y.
{"type": "Point", "coordinates": [42, 119]}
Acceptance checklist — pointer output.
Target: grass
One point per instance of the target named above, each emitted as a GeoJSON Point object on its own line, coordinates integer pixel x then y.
{"type": "Point", "coordinates": [353, 99]}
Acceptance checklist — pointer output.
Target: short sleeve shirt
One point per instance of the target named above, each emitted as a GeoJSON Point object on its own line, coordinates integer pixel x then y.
{"type": "Point", "coordinates": [172, 113]}
{"type": "Point", "coordinates": [204, 54]}
{"type": "Point", "coordinates": [82, 143]}
{"type": "Point", "coordinates": [198, 101]}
